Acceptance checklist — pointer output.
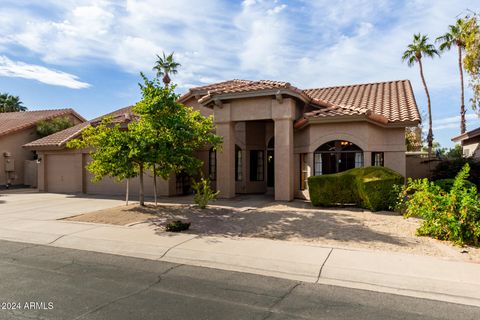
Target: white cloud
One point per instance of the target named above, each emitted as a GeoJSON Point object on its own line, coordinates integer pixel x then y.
{"type": "Point", "coordinates": [454, 122]}
{"type": "Point", "coordinates": [9, 68]}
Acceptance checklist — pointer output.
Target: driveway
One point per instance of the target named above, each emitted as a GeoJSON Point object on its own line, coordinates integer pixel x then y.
{"type": "Point", "coordinates": [27, 214]}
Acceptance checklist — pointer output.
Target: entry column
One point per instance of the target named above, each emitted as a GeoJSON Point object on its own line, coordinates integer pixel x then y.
{"type": "Point", "coordinates": [283, 114]}
{"type": "Point", "coordinates": [226, 160]}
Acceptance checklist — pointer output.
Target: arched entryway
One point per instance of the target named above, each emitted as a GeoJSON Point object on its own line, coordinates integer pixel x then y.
{"type": "Point", "coordinates": [337, 156]}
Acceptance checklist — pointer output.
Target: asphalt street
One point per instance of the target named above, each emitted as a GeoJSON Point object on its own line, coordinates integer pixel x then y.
{"type": "Point", "coordinates": [39, 282]}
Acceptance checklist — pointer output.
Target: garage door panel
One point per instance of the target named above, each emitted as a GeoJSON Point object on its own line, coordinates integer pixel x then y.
{"type": "Point", "coordinates": [64, 173]}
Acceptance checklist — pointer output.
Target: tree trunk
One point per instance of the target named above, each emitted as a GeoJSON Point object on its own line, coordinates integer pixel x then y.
{"type": "Point", "coordinates": [141, 195]}
{"type": "Point", "coordinates": [155, 183]}
{"type": "Point", "coordinates": [463, 126]}
{"type": "Point", "coordinates": [127, 191]}
{"type": "Point", "coordinates": [430, 130]}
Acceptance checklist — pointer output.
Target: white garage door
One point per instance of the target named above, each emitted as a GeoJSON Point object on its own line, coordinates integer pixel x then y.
{"type": "Point", "coordinates": [62, 173]}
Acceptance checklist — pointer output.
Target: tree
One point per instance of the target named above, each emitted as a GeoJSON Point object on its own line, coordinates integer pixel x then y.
{"type": "Point", "coordinates": [456, 37]}
{"type": "Point", "coordinates": [414, 53]}
{"type": "Point", "coordinates": [9, 103]}
{"type": "Point", "coordinates": [47, 127]}
{"type": "Point", "coordinates": [165, 66]}
{"type": "Point", "coordinates": [171, 131]}
{"type": "Point", "coordinates": [110, 151]}
{"type": "Point", "coordinates": [413, 138]}
{"type": "Point", "coordinates": [471, 61]}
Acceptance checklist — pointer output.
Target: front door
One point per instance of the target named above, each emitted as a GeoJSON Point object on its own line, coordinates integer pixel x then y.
{"type": "Point", "coordinates": [270, 169]}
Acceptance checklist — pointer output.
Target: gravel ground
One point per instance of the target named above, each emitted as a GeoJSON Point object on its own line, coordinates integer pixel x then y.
{"type": "Point", "coordinates": [297, 221]}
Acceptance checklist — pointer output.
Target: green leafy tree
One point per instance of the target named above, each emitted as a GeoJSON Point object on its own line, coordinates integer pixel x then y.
{"type": "Point", "coordinates": [413, 138]}
{"type": "Point", "coordinates": [166, 66]}
{"type": "Point", "coordinates": [471, 60]}
{"type": "Point", "coordinates": [110, 151]}
{"type": "Point", "coordinates": [47, 127]}
{"type": "Point", "coordinates": [9, 103]}
{"type": "Point", "coordinates": [456, 36]}
{"type": "Point", "coordinates": [171, 131]}
{"type": "Point", "coordinates": [420, 47]}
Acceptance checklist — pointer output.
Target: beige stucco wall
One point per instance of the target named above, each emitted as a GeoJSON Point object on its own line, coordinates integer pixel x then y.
{"type": "Point", "coordinates": [13, 143]}
{"type": "Point", "coordinates": [369, 137]}
{"type": "Point", "coordinates": [471, 147]}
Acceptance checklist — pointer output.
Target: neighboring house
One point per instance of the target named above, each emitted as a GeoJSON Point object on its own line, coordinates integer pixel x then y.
{"type": "Point", "coordinates": [17, 129]}
{"type": "Point", "coordinates": [470, 142]}
{"type": "Point", "coordinates": [274, 137]}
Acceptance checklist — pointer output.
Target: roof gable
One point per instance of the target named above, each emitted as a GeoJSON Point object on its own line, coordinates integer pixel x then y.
{"type": "Point", "coordinates": [11, 122]}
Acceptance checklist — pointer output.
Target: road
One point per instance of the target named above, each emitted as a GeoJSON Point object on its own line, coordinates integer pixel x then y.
{"type": "Point", "coordinates": [55, 283]}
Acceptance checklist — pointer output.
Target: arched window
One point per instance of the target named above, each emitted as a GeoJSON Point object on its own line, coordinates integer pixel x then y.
{"type": "Point", "coordinates": [212, 164]}
{"type": "Point", "coordinates": [238, 164]}
{"type": "Point", "coordinates": [337, 156]}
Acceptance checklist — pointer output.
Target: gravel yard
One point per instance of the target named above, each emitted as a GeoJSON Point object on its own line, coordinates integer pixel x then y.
{"type": "Point", "coordinates": [296, 221]}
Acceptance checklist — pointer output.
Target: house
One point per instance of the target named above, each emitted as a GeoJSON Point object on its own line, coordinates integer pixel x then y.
{"type": "Point", "coordinates": [274, 137]}
{"type": "Point", "coordinates": [470, 142]}
{"type": "Point", "coordinates": [17, 129]}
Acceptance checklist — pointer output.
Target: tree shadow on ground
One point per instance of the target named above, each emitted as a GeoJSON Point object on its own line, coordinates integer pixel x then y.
{"type": "Point", "coordinates": [281, 223]}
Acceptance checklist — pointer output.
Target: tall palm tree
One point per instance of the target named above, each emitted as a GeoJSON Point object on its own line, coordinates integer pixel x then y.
{"type": "Point", "coordinates": [165, 66]}
{"type": "Point", "coordinates": [456, 37]}
{"type": "Point", "coordinates": [9, 103]}
{"type": "Point", "coordinates": [414, 53]}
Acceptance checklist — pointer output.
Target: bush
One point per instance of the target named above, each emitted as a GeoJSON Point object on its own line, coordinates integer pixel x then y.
{"type": "Point", "coordinates": [177, 226]}
{"type": "Point", "coordinates": [203, 192]}
{"type": "Point", "coordinates": [453, 215]}
{"type": "Point", "coordinates": [447, 169]}
{"type": "Point", "coordinates": [447, 184]}
{"type": "Point", "coordinates": [48, 127]}
{"type": "Point", "coordinates": [370, 188]}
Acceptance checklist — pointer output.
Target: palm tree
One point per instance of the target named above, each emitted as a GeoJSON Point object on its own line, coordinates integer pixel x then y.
{"type": "Point", "coordinates": [456, 37]}
{"type": "Point", "coordinates": [9, 103]}
{"type": "Point", "coordinates": [414, 53]}
{"type": "Point", "coordinates": [165, 66]}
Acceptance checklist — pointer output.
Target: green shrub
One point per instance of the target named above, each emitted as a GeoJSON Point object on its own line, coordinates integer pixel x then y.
{"type": "Point", "coordinates": [177, 226]}
{"type": "Point", "coordinates": [203, 192]}
{"type": "Point", "coordinates": [453, 215]}
{"type": "Point", "coordinates": [448, 169]}
{"type": "Point", "coordinates": [370, 188]}
{"type": "Point", "coordinates": [447, 184]}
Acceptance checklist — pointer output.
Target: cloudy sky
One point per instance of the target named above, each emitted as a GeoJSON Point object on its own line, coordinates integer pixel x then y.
{"type": "Point", "coordinates": [88, 54]}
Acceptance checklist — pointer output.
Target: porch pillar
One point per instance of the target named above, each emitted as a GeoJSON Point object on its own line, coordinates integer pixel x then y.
{"type": "Point", "coordinates": [284, 160]}
{"type": "Point", "coordinates": [226, 160]}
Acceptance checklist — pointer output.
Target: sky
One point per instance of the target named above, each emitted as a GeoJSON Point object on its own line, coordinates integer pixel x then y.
{"type": "Point", "coordinates": [87, 55]}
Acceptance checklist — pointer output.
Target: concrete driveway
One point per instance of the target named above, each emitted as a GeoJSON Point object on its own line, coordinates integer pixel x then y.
{"type": "Point", "coordinates": [29, 215]}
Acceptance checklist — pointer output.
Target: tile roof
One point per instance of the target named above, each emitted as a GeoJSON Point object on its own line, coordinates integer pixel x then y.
{"type": "Point", "coordinates": [393, 100]}
{"type": "Point", "coordinates": [14, 121]}
{"type": "Point", "coordinates": [60, 138]}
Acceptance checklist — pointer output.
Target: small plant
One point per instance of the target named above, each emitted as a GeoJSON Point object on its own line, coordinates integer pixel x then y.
{"type": "Point", "coordinates": [452, 215]}
{"type": "Point", "coordinates": [177, 226]}
{"type": "Point", "coordinates": [203, 192]}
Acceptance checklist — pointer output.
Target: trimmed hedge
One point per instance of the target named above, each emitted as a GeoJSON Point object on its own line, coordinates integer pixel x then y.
{"type": "Point", "coordinates": [370, 188]}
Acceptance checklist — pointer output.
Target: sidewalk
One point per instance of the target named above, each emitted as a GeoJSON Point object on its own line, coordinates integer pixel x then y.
{"type": "Point", "coordinates": [411, 275]}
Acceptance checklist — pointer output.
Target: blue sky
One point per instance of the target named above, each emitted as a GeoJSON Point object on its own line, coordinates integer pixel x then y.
{"type": "Point", "coordinates": [87, 55]}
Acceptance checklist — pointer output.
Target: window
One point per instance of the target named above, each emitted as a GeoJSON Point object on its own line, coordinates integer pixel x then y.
{"type": "Point", "coordinates": [256, 165]}
{"type": "Point", "coordinates": [377, 159]}
{"type": "Point", "coordinates": [212, 164]}
{"type": "Point", "coordinates": [337, 156]}
{"type": "Point", "coordinates": [303, 171]}
{"type": "Point", "coordinates": [238, 164]}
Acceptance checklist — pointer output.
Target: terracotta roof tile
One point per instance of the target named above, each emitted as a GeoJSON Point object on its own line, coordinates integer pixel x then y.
{"type": "Point", "coordinates": [60, 138]}
{"type": "Point", "coordinates": [15, 121]}
{"type": "Point", "coordinates": [394, 100]}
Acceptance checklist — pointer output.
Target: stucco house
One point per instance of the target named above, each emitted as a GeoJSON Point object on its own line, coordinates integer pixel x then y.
{"type": "Point", "coordinates": [17, 129]}
{"type": "Point", "coordinates": [275, 136]}
{"type": "Point", "coordinates": [470, 142]}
